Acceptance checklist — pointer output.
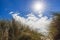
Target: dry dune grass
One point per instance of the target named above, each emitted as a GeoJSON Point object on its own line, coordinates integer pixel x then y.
{"type": "Point", "coordinates": [11, 30]}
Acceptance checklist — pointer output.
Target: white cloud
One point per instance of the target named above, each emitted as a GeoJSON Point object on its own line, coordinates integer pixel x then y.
{"type": "Point", "coordinates": [32, 17]}
{"type": "Point", "coordinates": [11, 12]}
{"type": "Point", "coordinates": [40, 24]}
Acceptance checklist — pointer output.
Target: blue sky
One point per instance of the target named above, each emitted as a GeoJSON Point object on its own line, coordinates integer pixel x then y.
{"type": "Point", "coordinates": [22, 6]}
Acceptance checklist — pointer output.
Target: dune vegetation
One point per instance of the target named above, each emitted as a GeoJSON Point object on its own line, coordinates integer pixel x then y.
{"type": "Point", "coordinates": [12, 30]}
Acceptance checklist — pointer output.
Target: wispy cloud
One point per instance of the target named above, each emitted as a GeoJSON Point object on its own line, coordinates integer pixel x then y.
{"type": "Point", "coordinates": [40, 24]}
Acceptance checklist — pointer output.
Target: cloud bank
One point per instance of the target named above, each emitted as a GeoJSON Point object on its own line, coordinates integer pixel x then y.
{"type": "Point", "coordinates": [40, 23]}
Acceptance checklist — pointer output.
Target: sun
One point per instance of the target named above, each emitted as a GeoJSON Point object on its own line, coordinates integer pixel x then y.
{"type": "Point", "coordinates": [38, 6]}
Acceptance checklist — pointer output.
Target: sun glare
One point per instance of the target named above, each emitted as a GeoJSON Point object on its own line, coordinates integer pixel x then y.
{"type": "Point", "coordinates": [37, 6]}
